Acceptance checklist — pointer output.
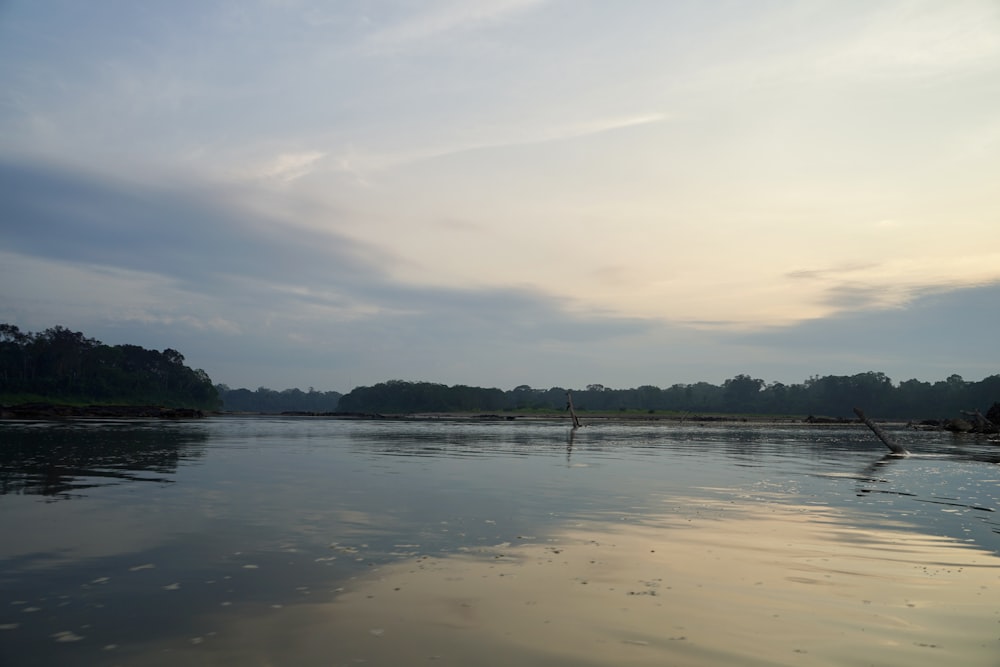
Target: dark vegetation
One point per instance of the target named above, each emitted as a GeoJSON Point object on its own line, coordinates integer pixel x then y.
{"type": "Point", "coordinates": [832, 395]}
{"type": "Point", "coordinates": [62, 366]}
{"type": "Point", "coordinates": [275, 402]}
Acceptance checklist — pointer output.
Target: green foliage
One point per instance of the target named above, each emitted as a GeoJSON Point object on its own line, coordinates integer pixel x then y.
{"type": "Point", "coordinates": [398, 396]}
{"type": "Point", "coordinates": [273, 402]}
{"type": "Point", "coordinates": [59, 365]}
{"type": "Point", "coordinates": [832, 395]}
{"type": "Point", "coordinates": [65, 366]}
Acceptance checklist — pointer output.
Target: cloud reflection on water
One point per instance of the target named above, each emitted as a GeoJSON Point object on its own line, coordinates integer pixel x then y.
{"type": "Point", "coordinates": [709, 583]}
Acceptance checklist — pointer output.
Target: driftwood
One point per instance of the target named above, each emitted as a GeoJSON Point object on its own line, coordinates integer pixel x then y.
{"type": "Point", "coordinates": [894, 446]}
{"type": "Point", "coordinates": [983, 425]}
{"type": "Point", "coordinates": [572, 412]}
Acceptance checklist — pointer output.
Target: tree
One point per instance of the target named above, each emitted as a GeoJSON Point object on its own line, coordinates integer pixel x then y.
{"type": "Point", "coordinates": [742, 393]}
{"type": "Point", "coordinates": [63, 365]}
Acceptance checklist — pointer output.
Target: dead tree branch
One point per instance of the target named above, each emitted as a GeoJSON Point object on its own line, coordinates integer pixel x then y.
{"type": "Point", "coordinates": [894, 446]}
{"type": "Point", "coordinates": [572, 412]}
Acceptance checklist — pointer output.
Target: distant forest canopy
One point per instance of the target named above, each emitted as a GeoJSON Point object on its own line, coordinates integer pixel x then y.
{"type": "Point", "coordinates": [832, 395]}
{"type": "Point", "coordinates": [271, 401]}
{"type": "Point", "coordinates": [59, 365]}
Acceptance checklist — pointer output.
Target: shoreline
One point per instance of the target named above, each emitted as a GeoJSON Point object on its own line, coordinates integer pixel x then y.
{"type": "Point", "coordinates": [587, 419]}
{"type": "Point", "coordinates": [57, 411]}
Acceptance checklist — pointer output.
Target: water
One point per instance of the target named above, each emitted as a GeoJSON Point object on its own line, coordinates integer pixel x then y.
{"type": "Point", "coordinates": [271, 541]}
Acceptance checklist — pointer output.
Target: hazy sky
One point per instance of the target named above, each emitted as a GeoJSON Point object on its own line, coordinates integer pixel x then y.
{"type": "Point", "coordinates": [505, 192]}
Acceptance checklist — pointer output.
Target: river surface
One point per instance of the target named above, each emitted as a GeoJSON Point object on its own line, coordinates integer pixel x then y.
{"type": "Point", "coordinates": [305, 541]}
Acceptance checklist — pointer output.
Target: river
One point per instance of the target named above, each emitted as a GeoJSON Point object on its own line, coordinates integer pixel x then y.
{"type": "Point", "coordinates": [308, 541]}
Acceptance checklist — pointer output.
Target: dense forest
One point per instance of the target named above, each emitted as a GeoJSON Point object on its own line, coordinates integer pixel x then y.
{"type": "Point", "coordinates": [59, 365]}
{"type": "Point", "coordinates": [271, 401]}
{"type": "Point", "coordinates": [832, 395]}
{"type": "Point", "coordinates": [62, 365]}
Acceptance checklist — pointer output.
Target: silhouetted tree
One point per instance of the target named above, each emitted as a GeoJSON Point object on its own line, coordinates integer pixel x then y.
{"type": "Point", "coordinates": [62, 365]}
{"type": "Point", "coordinates": [832, 395]}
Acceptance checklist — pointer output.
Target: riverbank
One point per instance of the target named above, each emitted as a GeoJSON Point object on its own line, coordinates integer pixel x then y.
{"type": "Point", "coordinates": [45, 411]}
{"type": "Point", "coordinates": [595, 417]}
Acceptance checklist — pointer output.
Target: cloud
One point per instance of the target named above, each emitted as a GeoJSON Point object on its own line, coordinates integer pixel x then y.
{"type": "Point", "coordinates": [288, 167]}
{"type": "Point", "coordinates": [497, 137]}
{"type": "Point", "coordinates": [180, 232]}
{"type": "Point", "coordinates": [921, 40]}
{"type": "Point", "coordinates": [895, 282]}
{"type": "Point", "coordinates": [542, 134]}
{"type": "Point", "coordinates": [934, 335]}
{"type": "Point", "coordinates": [598, 126]}
{"type": "Point", "coordinates": [453, 191]}
{"type": "Point", "coordinates": [256, 301]}
{"type": "Point", "coordinates": [441, 18]}
{"type": "Point", "coordinates": [170, 267]}
{"type": "Point", "coordinates": [828, 273]}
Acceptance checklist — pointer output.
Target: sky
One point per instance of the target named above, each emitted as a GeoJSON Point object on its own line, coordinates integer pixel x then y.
{"type": "Point", "coordinates": [504, 192]}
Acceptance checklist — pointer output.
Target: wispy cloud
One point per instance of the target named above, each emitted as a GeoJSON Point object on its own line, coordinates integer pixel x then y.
{"type": "Point", "coordinates": [551, 133]}
{"type": "Point", "coordinates": [920, 340]}
{"type": "Point", "coordinates": [214, 324]}
{"type": "Point", "coordinates": [895, 283]}
{"type": "Point", "coordinates": [203, 274]}
{"type": "Point", "coordinates": [441, 18]}
{"type": "Point", "coordinates": [361, 166]}
{"type": "Point", "coordinates": [288, 167]}
{"type": "Point", "coordinates": [380, 175]}
{"type": "Point", "coordinates": [922, 39]}
{"type": "Point", "coordinates": [833, 272]}
{"type": "Point", "coordinates": [598, 125]}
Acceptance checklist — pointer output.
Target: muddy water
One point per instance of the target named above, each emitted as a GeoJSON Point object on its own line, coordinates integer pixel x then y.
{"type": "Point", "coordinates": [312, 542]}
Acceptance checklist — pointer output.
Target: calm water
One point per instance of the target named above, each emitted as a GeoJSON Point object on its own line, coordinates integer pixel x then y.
{"type": "Point", "coordinates": [269, 541]}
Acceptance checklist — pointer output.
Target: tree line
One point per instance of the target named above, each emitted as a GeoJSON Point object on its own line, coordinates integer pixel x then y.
{"type": "Point", "coordinates": [274, 402]}
{"type": "Point", "coordinates": [60, 365]}
{"type": "Point", "coordinates": [832, 395]}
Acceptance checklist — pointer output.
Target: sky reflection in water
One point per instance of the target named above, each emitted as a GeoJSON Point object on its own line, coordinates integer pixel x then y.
{"type": "Point", "coordinates": [282, 541]}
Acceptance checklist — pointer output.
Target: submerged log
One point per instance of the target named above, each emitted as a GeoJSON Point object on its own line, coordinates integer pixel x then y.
{"type": "Point", "coordinates": [894, 446]}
